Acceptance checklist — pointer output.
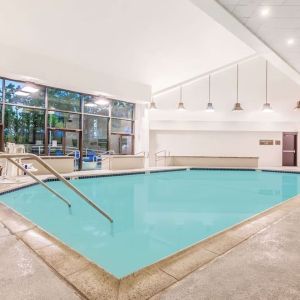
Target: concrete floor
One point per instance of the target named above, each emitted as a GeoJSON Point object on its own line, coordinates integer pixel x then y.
{"type": "Point", "coordinates": [24, 276]}
{"type": "Point", "coordinates": [266, 266]}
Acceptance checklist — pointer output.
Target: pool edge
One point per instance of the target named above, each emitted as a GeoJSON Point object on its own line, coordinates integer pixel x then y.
{"type": "Point", "coordinates": [85, 276]}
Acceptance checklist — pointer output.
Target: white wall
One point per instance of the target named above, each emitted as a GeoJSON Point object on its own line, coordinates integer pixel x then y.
{"type": "Point", "coordinates": [283, 94]}
{"type": "Point", "coordinates": [196, 132]}
{"type": "Point", "coordinates": [212, 143]}
{"type": "Point", "coordinates": [22, 65]}
{"type": "Point", "coordinates": [141, 142]}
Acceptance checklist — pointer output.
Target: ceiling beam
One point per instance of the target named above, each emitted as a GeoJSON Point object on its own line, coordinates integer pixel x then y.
{"type": "Point", "coordinates": [201, 76]}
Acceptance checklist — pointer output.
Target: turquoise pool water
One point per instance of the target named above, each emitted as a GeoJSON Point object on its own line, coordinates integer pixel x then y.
{"type": "Point", "coordinates": [155, 215]}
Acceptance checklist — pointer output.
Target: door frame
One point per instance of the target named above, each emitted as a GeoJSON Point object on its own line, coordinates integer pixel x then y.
{"type": "Point", "coordinates": [121, 135]}
{"type": "Point", "coordinates": [296, 146]}
{"type": "Point", "coordinates": [65, 130]}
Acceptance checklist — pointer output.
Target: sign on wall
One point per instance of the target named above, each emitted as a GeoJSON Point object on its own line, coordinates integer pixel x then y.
{"type": "Point", "coordinates": [266, 142]}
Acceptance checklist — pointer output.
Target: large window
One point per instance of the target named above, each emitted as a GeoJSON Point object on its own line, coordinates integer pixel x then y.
{"type": "Point", "coordinates": [25, 126]}
{"type": "Point", "coordinates": [63, 100]}
{"type": "Point", "coordinates": [95, 133]}
{"type": "Point", "coordinates": [122, 109]}
{"type": "Point", "coordinates": [96, 105]}
{"type": "Point", "coordinates": [121, 126]}
{"type": "Point", "coordinates": [71, 120]}
{"type": "Point", "coordinates": [63, 120]}
{"type": "Point", "coordinates": [15, 93]}
{"type": "Point", "coordinates": [1, 96]}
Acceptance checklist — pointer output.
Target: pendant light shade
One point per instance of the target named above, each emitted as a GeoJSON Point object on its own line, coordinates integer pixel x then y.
{"type": "Point", "coordinates": [237, 106]}
{"type": "Point", "coordinates": [267, 106]}
{"type": "Point", "coordinates": [297, 106]}
{"type": "Point", "coordinates": [180, 104]}
{"type": "Point", "coordinates": [152, 104]}
{"type": "Point", "coordinates": [210, 107]}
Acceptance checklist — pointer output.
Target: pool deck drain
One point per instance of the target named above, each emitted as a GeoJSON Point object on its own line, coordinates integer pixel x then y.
{"type": "Point", "coordinates": [93, 282]}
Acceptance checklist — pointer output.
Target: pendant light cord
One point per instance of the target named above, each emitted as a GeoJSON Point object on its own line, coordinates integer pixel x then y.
{"type": "Point", "coordinates": [237, 83]}
{"type": "Point", "coordinates": [180, 94]}
{"type": "Point", "coordinates": [209, 89]}
{"type": "Point", "coordinates": [266, 82]}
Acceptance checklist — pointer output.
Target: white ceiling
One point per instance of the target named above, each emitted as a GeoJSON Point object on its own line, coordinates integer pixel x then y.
{"type": "Point", "coordinates": [158, 43]}
{"type": "Point", "coordinates": [282, 23]}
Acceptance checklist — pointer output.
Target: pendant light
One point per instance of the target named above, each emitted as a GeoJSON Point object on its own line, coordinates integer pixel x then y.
{"type": "Point", "coordinates": [209, 107]}
{"type": "Point", "coordinates": [152, 104]}
{"type": "Point", "coordinates": [298, 106]}
{"type": "Point", "coordinates": [267, 107]}
{"type": "Point", "coordinates": [180, 104]}
{"type": "Point", "coordinates": [237, 106]}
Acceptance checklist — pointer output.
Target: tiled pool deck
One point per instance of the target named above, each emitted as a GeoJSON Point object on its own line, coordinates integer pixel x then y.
{"type": "Point", "coordinates": [177, 276]}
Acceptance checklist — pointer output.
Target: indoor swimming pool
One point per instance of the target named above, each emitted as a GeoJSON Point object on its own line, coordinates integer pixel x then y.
{"type": "Point", "coordinates": [155, 215]}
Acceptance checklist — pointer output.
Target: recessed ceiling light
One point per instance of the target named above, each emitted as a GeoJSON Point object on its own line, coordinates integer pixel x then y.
{"type": "Point", "coordinates": [290, 41]}
{"type": "Point", "coordinates": [21, 94]}
{"type": "Point", "coordinates": [265, 11]}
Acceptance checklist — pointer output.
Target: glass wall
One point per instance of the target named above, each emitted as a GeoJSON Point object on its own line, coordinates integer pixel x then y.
{"type": "Point", "coordinates": [63, 100]}
{"type": "Point", "coordinates": [63, 120]}
{"type": "Point", "coordinates": [121, 109]}
{"type": "Point", "coordinates": [96, 105]}
{"type": "Point", "coordinates": [15, 94]}
{"type": "Point", "coordinates": [122, 127]}
{"type": "Point", "coordinates": [95, 133]}
{"type": "Point", "coordinates": [1, 84]}
{"type": "Point", "coordinates": [52, 121]}
{"type": "Point", "coordinates": [25, 126]}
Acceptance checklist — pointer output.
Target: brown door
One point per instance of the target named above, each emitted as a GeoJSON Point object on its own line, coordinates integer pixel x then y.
{"type": "Point", "coordinates": [289, 149]}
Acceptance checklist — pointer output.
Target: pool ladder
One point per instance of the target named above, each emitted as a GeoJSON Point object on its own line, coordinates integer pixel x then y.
{"type": "Point", "coordinates": [11, 157]}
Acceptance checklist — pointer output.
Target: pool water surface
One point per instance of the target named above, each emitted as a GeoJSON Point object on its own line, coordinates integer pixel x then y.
{"type": "Point", "coordinates": [155, 215]}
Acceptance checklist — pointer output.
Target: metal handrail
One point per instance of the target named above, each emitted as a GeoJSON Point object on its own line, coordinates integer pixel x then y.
{"type": "Point", "coordinates": [162, 151]}
{"type": "Point", "coordinates": [144, 153]}
{"type": "Point", "coordinates": [39, 181]}
{"type": "Point", "coordinates": [60, 177]}
{"type": "Point", "coordinates": [159, 157]}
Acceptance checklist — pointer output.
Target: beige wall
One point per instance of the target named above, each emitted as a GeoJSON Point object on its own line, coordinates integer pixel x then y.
{"type": "Point", "coordinates": [217, 143]}
{"type": "Point", "coordinates": [61, 165]}
{"type": "Point", "coordinates": [123, 162]}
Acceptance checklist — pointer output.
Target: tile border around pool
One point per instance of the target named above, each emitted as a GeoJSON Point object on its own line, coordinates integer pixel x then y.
{"type": "Point", "coordinates": [126, 173]}
{"type": "Point", "coordinates": [93, 282]}
{"type": "Point", "coordinates": [16, 186]}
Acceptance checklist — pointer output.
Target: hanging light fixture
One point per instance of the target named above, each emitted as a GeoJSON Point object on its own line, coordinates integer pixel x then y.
{"type": "Point", "coordinates": [152, 104]}
{"type": "Point", "coordinates": [210, 107]}
{"type": "Point", "coordinates": [180, 104]}
{"type": "Point", "coordinates": [267, 106]}
{"type": "Point", "coordinates": [237, 106]}
{"type": "Point", "coordinates": [297, 106]}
